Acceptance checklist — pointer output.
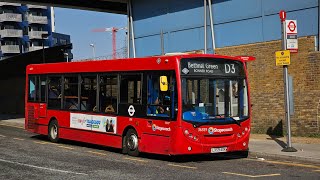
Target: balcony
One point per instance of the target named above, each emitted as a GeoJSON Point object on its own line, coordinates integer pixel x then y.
{"type": "Point", "coordinates": [36, 7]}
{"type": "Point", "coordinates": [36, 34]}
{"type": "Point", "coordinates": [38, 19]}
{"type": "Point", "coordinates": [10, 33]}
{"type": "Point", "coordinates": [9, 4]}
{"type": "Point", "coordinates": [13, 17]}
{"type": "Point", "coordinates": [10, 49]}
{"type": "Point", "coordinates": [34, 48]}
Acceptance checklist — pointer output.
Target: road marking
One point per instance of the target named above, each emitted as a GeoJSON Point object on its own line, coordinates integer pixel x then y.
{"type": "Point", "coordinates": [317, 170]}
{"type": "Point", "coordinates": [40, 142]}
{"type": "Point", "coordinates": [98, 153]}
{"type": "Point", "coordinates": [189, 167]}
{"type": "Point", "coordinates": [11, 126]}
{"type": "Point", "coordinates": [18, 139]}
{"type": "Point", "coordinates": [38, 167]}
{"type": "Point", "coordinates": [252, 176]}
{"type": "Point", "coordinates": [135, 159]}
{"type": "Point", "coordinates": [65, 147]}
{"type": "Point", "coordinates": [290, 164]}
{"type": "Point", "coordinates": [2, 135]}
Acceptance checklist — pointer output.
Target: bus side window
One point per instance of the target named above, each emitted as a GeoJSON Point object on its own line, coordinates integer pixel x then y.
{"type": "Point", "coordinates": [108, 96]}
{"type": "Point", "coordinates": [43, 83]}
{"type": "Point", "coordinates": [33, 88]}
{"type": "Point", "coordinates": [159, 102]}
{"type": "Point", "coordinates": [54, 92]}
{"type": "Point", "coordinates": [70, 98]}
{"type": "Point", "coordinates": [131, 89]}
{"type": "Point", "coordinates": [88, 98]}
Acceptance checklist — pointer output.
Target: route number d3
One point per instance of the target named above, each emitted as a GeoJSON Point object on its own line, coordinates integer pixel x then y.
{"type": "Point", "coordinates": [229, 68]}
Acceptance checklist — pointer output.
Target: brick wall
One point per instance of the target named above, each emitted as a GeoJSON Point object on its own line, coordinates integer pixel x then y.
{"type": "Point", "coordinates": [267, 89]}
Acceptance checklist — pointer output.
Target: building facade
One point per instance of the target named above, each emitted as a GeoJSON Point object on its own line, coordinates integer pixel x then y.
{"type": "Point", "coordinates": [180, 24]}
{"type": "Point", "coordinates": [25, 28]}
{"type": "Point", "coordinates": [243, 27]}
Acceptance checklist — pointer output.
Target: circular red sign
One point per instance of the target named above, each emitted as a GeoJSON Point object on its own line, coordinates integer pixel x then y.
{"type": "Point", "coordinates": [292, 26]}
{"type": "Point", "coordinates": [282, 15]}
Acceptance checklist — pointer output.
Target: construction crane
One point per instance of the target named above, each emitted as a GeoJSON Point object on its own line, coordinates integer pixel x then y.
{"type": "Point", "coordinates": [113, 31]}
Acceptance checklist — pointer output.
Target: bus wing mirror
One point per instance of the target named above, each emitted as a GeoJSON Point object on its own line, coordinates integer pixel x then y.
{"type": "Point", "coordinates": [163, 83]}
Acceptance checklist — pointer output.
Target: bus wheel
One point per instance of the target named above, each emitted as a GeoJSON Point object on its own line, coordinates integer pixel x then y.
{"type": "Point", "coordinates": [242, 154]}
{"type": "Point", "coordinates": [132, 143]}
{"type": "Point", "coordinates": [53, 133]}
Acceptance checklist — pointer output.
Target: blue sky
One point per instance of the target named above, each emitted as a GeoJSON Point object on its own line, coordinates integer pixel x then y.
{"type": "Point", "coordinates": [79, 24]}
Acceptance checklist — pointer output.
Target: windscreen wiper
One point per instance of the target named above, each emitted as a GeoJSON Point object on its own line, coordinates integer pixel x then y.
{"type": "Point", "coordinates": [236, 121]}
{"type": "Point", "coordinates": [198, 124]}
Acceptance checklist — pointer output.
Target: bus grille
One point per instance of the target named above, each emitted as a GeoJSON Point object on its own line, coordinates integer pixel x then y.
{"type": "Point", "coordinates": [31, 119]}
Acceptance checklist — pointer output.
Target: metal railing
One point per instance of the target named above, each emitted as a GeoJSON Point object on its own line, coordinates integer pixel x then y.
{"type": "Point", "coordinates": [35, 48]}
{"type": "Point", "coordinates": [37, 6]}
{"type": "Point", "coordinates": [10, 49]}
{"type": "Point", "coordinates": [9, 4]}
{"type": "Point", "coordinates": [10, 17]}
{"type": "Point", "coordinates": [37, 34]}
{"type": "Point", "coordinates": [38, 19]}
{"type": "Point", "coordinates": [11, 33]}
{"type": "Point", "coordinates": [120, 54]}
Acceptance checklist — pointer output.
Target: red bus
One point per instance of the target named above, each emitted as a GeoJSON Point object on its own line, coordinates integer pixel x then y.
{"type": "Point", "coordinates": [172, 105]}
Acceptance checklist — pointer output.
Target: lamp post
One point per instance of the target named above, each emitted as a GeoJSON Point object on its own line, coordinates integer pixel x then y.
{"type": "Point", "coordinates": [43, 36]}
{"type": "Point", "coordinates": [93, 50]}
{"type": "Point", "coordinates": [66, 56]}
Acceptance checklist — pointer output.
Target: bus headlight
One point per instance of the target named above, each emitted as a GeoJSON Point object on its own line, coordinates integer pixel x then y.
{"type": "Point", "coordinates": [186, 132]}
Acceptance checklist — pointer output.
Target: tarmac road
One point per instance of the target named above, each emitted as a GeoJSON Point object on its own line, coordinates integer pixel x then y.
{"type": "Point", "coordinates": [24, 155]}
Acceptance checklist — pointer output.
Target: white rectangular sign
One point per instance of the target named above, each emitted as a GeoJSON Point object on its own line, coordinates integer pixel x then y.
{"type": "Point", "coordinates": [94, 123]}
{"type": "Point", "coordinates": [291, 27]}
{"type": "Point", "coordinates": [292, 35]}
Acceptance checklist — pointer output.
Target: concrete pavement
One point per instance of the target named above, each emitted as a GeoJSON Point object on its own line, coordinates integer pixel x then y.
{"type": "Point", "coordinates": [270, 147]}
{"type": "Point", "coordinates": [261, 146]}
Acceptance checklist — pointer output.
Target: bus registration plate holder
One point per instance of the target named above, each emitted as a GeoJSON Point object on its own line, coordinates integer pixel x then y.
{"type": "Point", "coordinates": [218, 150]}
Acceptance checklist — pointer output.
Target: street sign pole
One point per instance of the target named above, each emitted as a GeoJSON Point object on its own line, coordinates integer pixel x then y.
{"type": "Point", "coordinates": [289, 147]}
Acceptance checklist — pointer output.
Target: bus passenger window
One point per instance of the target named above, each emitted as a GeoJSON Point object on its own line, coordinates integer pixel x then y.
{"type": "Point", "coordinates": [54, 92]}
{"type": "Point", "coordinates": [131, 89]}
{"type": "Point", "coordinates": [70, 99]}
{"type": "Point", "coordinates": [159, 102]}
{"type": "Point", "coordinates": [32, 88]}
{"type": "Point", "coordinates": [88, 98]}
{"type": "Point", "coordinates": [108, 97]}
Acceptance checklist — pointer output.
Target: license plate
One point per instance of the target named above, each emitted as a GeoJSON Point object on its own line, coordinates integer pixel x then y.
{"type": "Point", "coordinates": [218, 150]}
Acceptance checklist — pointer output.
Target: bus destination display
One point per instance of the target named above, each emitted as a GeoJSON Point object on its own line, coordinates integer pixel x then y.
{"type": "Point", "coordinates": [205, 66]}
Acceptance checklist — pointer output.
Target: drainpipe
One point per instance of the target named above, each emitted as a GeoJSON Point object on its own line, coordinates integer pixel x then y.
{"type": "Point", "coordinates": [132, 33]}
{"type": "Point", "coordinates": [211, 25]}
{"type": "Point", "coordinates": [128, 31]}
{"type": "Point", "coordinates": [205, 25]}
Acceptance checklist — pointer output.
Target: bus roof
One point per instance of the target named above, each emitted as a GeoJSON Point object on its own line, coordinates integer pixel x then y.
{"type": "Point", "coordinates": [131, 64]}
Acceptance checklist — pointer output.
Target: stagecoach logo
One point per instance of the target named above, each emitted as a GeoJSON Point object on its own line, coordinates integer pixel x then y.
{"type": "Point", "coordinates": [158, 60]}
{"type": "Point", "coordinates": [131, 110]}
{"type": "Point", "coordinates": [155, 127]}
{"type": "Point", "coordinates": [212, 130]}
{"type": "Point", "coordinates": [185, 70]}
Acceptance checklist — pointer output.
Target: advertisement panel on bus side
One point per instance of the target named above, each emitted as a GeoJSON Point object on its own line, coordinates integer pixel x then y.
{"type": "Point", "coordinates": [93, 122]}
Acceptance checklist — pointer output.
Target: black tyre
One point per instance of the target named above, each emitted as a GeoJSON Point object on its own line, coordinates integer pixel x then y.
{"type": "Point", "coordinates": [132, 143]}
{"type": "Point", "coordinates": [53, 131]}
{"type": "Point", "coordinates": [242, 154]}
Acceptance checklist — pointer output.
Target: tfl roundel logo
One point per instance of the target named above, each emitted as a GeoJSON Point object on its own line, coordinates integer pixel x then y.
{"type": "Point", "coordinates": [210, 130]}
